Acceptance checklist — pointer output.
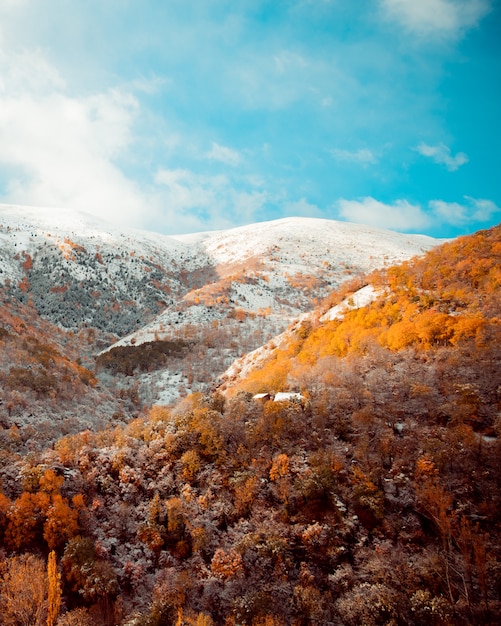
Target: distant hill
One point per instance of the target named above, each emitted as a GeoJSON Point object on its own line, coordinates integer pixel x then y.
{"type": "Point", "coordinates": [220, 294]}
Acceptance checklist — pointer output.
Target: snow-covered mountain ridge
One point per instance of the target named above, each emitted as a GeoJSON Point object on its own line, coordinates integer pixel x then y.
{"type": "Point", "coordinates": [317, 239]}
{"type": "Point", "coordinates": [224, 293]}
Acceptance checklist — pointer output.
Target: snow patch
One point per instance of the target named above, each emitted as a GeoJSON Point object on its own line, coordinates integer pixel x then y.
{"type": "Point", "coordinates": [357, 300]}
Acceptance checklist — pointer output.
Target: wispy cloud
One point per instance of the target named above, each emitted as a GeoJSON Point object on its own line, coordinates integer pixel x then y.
{"type": "Point", "coordinates": [473, 210]}
{"type": "Point", "coordinates": [200, 202]}
{"type": "Point", "coordinates": [150, 85]}
{"type": "Point", "coordinates": [401, 215]}
{"type": "Point", "coordinates": [276, 79]}
{"type": "Point", "coordinates": [364, 156]}
{"type": "Point", "coordinates": [436, 17]}
{"type": "Point", "coordinates": [64, 150]}
{"type": "Point", "coordinates": [60, 149]}
{"type": "Point", "coordinates": [442, 154]}
{"type": "Point", "coordinates": [27, 71]}
{"type": "Point", "coordinates": [286, 61]}
{"type": "Point", "coordinates": [404, 216]}
{"type": "Point", "coordinates": [185, 190]}
{"type": "Point", "coordinates": [223, 154]}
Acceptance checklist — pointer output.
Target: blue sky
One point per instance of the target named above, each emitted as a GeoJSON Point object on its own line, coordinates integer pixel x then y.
{"type": "Point", "coordinates": [189, 115]}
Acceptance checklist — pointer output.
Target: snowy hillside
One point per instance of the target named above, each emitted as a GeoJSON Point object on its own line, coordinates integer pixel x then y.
{"type": "Point", "coordinates": [222, 294]}
{"type": "Point", "coordinates": [242, 367]}
{"type": "Point", "coordinates": [269, 275]}
{"type": "Point", "coordinates": [300, 243]}
{"type": "Point", "coordinates": [80, 271]}
{"type": "Point", "coordinates": [283, 265]}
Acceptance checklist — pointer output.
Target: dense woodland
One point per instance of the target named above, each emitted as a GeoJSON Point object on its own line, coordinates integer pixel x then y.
{"type": "Point", "coordinates": [373, 501]}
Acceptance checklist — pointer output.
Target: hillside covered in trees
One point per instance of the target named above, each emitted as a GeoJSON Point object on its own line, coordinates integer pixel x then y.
{"type": "Point", "coordinates": [220, 294]}
{"type": "Point", "coordinates": [375, 500]}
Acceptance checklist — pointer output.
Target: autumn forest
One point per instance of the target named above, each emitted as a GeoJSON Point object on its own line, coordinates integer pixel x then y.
{"type": "Point", "coordinates": [372, 499]}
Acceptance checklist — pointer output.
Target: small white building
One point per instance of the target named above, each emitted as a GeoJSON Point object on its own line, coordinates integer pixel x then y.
{"type": "Point", "coordinates": [288, 396]}
{"type": "Point", "coordinates": [281, 396]}
{"type": "Point", "coordinates": [262, 397]}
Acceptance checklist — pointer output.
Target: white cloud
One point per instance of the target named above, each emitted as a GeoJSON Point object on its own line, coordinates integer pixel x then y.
{"type": "Point", "coordinates": [363, 156]}
{"type": "Point", "coordinates": [449, 212]}
{"type": "Point", "coordinates": [224, 155]}
{"type": "Point", "coordinates": [274, 80]}
{"type": "Point", "coordinates": [474, 210]}
{"type": "Point", "coordinates": [151, 85]}
{"type": "Point", "coordinates": [200, 202]}
{"type": "Point", "coordinates": [431, 17]}
{"type": "Point", "coordinates": [27, 72]}
{"type": "Point", "coordinates": [401, 215]}
{"type": "Point", "coordinates": [60, 150]}
{"type": "Point", "coordinates": [442, 154]}
{"type": "Point", "coordinates": [404, 216]}
{"type": "Point", "coordinates": [286, 61]}
{"type": "Point", "coordinates": [9, 5]}
{"type": "Point", "coordinates": [483, 209]}
{"type": "Point", "coordinates": [185, 190]}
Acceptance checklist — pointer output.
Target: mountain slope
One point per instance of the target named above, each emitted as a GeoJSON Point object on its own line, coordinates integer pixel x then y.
{"type": "Point", "coordinates": [221, 294]}
{"type": "Point", "coordinates": [448, 298]}
{"type": "Point", "coordinates": [268, 274]}
{"type": "Point", "coordinates": [78, 270]}
{"type": "Point", "coordinates": [45, 389]}
{"type": "Point", "coordinates": [374, 499]}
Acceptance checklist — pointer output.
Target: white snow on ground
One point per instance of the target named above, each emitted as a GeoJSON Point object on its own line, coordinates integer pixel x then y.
{"type": "Point", "coordinates": [288, 396]}
{"type": "Point", "coordinates": [25, 228]}
{"type": "Point", "coordinates": [357, 300]}
{"type": "Point", "coordinates": [163, 386]}
{"type": "Point", "coordinates": [296, 244]}
{"type": "Point", "coordinates": [318, 239]}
